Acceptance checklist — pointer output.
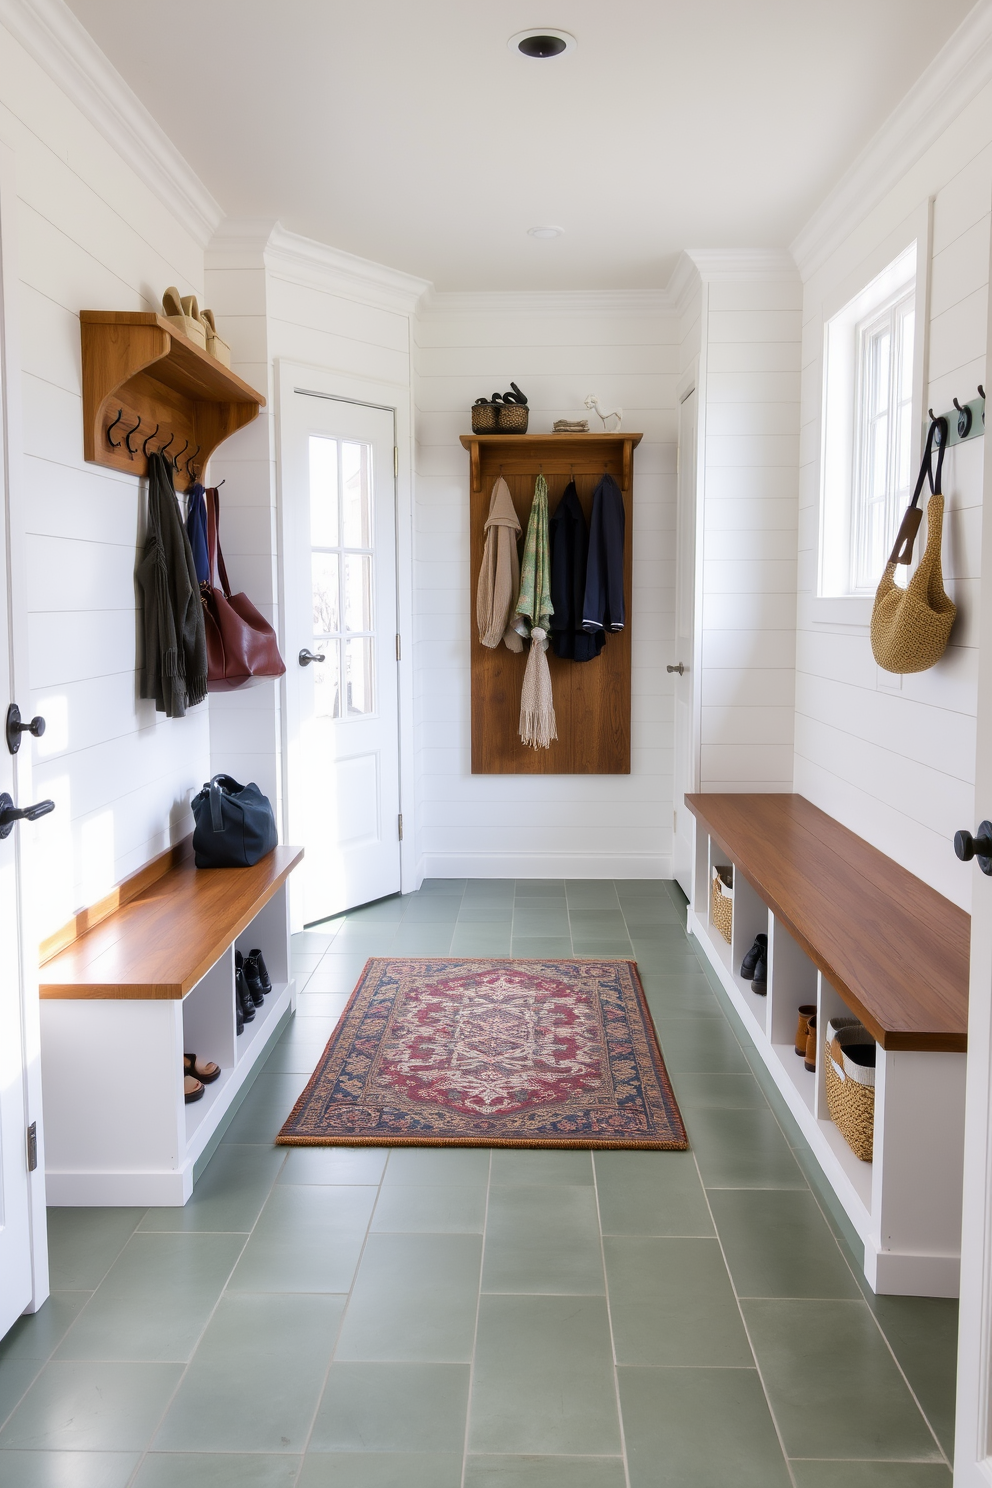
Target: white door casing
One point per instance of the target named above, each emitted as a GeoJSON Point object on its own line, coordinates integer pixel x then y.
{"type": "Point", "coordinates": [23, 1230]}
{"type": "Point", "coordinates": [686, 748]}
{"type": "Point", "coordinates": [339, 525]}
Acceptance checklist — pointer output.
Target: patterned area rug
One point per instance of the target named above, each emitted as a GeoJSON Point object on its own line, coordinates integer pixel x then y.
{"type": "Point", "coordinates": [491, 1053]}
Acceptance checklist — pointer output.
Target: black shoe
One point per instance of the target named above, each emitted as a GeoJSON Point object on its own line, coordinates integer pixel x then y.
{"type": "Point", "coordinates": [254, 982]}
{"type": "Point", "coordinates": [239, 1016]}
{"type": "Point", "coordinates": [754, 955]}
{"type": "Point", "coordinates": [244, 997]}
{"type": "Point", "coordinates": [256, 960]}
{"type": "Point", "coordinates": [759, 982]}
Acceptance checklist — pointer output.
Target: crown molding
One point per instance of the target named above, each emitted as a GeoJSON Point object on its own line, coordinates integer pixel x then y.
{"type": "Point", "coordinates": [683, 283]}
{"type": "Point", "coordinates": [956, 75]}
{"type": "Point", "coordinates": [50, 33]}
{"type": "Point", "coordinates": [635, 302]}
{"type": "Point", "coordinates": [742, 263]}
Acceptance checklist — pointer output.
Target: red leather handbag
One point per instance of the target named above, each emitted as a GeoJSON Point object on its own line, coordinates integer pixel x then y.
{"type": "Point", "coordinates": [241, 644]}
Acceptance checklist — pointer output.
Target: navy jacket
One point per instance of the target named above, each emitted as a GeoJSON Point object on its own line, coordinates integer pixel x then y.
{"type": "Point", "coordinates": [569, 547]}
{"type": "Point", "coordinates": [602, 605]}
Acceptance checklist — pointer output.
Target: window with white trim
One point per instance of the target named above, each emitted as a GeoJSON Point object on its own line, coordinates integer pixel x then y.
{"type": "Point", "coordinates": [870, 351]}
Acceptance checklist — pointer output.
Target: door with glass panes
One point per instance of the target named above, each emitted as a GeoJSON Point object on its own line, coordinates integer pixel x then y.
{"type": "Point", "coordinates": [342, 754]}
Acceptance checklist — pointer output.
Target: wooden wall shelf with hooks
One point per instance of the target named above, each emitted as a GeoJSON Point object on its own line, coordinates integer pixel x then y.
{"type": "Point", "coordinates": [592, 698]}
{"type": "Point", "coordinates": [143, 365]}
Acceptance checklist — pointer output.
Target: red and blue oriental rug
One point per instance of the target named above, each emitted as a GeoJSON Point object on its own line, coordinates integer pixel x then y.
{"type": "Point", "coordinates": [491, 1053]}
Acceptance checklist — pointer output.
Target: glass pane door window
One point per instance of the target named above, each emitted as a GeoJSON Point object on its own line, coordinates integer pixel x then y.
{"type": "Point", "coordinates": [341, 565]}
{"type": "Point", "coordinates": [884, 445]}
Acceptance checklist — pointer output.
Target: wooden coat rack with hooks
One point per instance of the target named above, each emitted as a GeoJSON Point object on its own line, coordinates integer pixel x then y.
{"type": "Point", "coordinates": [147, 387]}
{"type": "Point", "coordinates": [592, 698]}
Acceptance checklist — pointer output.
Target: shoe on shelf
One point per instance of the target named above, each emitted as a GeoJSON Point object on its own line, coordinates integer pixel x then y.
{"type": "Point", "coordinates": [810, 1056]}
{"type": "Point", "coordinates": [192, 1089]}
{"type": "Point", "coordinates": [201, 1069]}
{"type": "Point", "coordinates": [256, 959]}
{"type": "Point", "coordinates": [239, 1017]}
{"type": "Point", "coordinates": [244, 997]}
{"type": "Point", "coordinates": [759, 982]}
{"type": "Point", "coordinates": [806, 1011]}
{"type": "Point", "coordinates": [251, 980]}
{"type": "Point", "coordinates": [755, 954]}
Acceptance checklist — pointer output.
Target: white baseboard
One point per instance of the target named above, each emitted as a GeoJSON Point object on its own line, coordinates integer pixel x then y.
{"type": "Point", "coordinates": [546, 865]}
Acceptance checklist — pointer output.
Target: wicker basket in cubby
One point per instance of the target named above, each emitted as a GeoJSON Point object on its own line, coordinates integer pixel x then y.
{"type": "Point", "coordinates": [722, 902]}
{"type": "Point", "coordinates": [850, 1085]}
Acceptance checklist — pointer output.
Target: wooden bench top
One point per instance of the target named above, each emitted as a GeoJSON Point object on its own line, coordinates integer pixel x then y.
{"type": "Point", "coordinates": [895, 950]}
{"type": "Point", "coordinates": [161, 941]}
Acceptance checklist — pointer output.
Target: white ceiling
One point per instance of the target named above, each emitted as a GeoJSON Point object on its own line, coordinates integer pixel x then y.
{"type": "Point", "coordinates": [406, 132]}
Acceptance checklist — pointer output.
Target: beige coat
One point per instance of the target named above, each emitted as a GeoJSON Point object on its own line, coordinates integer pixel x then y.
{"type": "Point", "coordinates": [499, 577]}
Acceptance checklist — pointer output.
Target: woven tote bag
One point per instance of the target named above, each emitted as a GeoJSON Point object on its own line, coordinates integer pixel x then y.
{"type": "Point", "coordinates": [910, 627]}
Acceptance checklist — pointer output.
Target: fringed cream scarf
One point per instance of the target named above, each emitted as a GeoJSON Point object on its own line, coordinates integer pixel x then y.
{"type": "Point", "coordinates": [534, 611]}
{"type": "Point", "coordinates": [499, 576]}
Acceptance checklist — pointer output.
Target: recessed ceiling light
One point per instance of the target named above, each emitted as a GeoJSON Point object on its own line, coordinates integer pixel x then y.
{"type": "Point", "coordinates": [545, 232]}
{"type": "Point", "coordinates": [542, 42]}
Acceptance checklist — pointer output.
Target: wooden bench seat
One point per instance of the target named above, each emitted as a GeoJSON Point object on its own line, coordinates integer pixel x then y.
{"type": "Point", "coordinates": [896, 951]}
{"type": "Point", "coordinates": [162, 930]}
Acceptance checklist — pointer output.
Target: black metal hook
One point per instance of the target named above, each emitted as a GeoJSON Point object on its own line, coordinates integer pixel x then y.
{"type": "Point", "coordinates": [190, 467]}
{"type": "Point", "coordinates": [981, 391]}
{"type": "Point", "coordinates": [127, 438]}
{"type": "Point", "coordinates": [144, 447]}
{"type": "Point", "coordinates": [115, 443]}
{"type": "Point", "coordinates": [175, 458]}
{"type": "Point", "coordinates": [166, 446]}
{"type": "Point", "coordinates": [933, 416]}
{"type": "Point", "coordinates": [957, 405]}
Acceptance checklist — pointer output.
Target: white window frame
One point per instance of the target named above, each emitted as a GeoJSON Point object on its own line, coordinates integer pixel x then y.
{"type": "Point", "coordinates": [898, 266]}
{"type": "Point", "coordinates": [865, 570]}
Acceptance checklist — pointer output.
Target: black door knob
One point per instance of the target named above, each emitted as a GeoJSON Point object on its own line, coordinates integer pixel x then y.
{"type": "Point", "coordinates": [306, 657]}
{"type": "Point", "coordinates": [9, 813]}
{"type": "Point", "coordinates": [15, 728]}
{"type": "Point", "coordinates": [980, 847]}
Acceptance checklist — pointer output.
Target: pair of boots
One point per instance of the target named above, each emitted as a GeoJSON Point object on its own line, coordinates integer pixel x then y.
{"type": "Point", "coordinates": [754, 967]}
{"type": "Point", "coordinates": [252, 984]}
{"type": "Point", "coordinates": [806, 1036]}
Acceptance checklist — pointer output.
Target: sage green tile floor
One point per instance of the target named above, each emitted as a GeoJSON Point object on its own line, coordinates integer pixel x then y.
{"type": "Point", "coordinates": [460, 1318]}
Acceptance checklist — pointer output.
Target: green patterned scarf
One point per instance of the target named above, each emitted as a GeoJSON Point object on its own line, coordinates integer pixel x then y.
{"type": "Point", "coordinates": [534, 607]}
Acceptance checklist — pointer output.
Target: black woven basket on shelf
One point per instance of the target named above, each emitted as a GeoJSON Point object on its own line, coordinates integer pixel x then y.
{"type": "Point", "coordinates": [512, 418]}
{"type": "Point", "coordinates": [484, 418]}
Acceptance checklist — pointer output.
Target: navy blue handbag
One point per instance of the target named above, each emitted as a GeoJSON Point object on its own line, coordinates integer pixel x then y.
{"type": "Point", "coordinates": [234, 824]}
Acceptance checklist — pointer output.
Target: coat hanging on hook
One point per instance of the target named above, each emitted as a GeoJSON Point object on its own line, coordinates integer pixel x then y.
{"type": "Point", "coordinates": [499, 576]}
{"type": "Point", "coordinates": [534, 610]}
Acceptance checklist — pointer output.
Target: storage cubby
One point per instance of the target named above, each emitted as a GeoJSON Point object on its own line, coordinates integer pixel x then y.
{"type": "Point", "coordinates": [750, 919]}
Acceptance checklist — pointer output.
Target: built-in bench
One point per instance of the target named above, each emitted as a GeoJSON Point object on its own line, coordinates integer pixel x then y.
{"type": "Point", "coordinates": [851, 930]}
{"type": "Point", "coordinates": [126, 988]}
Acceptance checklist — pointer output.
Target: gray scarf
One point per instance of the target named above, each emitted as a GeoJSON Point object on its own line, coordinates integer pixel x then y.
{"type": "Point", "coordinates": [175, 672]}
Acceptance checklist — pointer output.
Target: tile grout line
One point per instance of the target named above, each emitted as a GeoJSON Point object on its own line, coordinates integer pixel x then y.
{"type": "Point", "coordinates": [609, 1322]}
{"type": "Point", "coordinates": [49, 1357]}
{"type": "Point", "coordinates": [475, 1332]}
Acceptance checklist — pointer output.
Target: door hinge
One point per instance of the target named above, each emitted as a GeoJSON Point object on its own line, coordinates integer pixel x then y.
{"type": "Point", "coordinates": [399, 825]}
{"type": "Point", "coordinates": [399, 648]}
{"type": "Point", "coordinates": [32, 1146]}
{"type": "Point", "coordinates": [396, 462]}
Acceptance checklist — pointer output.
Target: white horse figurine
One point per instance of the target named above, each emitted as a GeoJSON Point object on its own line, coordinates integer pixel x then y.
{"type": "Point", "coordinates": [617, 413]}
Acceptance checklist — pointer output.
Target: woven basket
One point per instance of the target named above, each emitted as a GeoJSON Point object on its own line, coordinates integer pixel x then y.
{"type": "Point", "coordinates": [722, 902]}
{"type": "Point", "coordinates": [850, 1086]}
{"type": "Point", "coordinates": [511, 418]}
{"type": "Point", "coordinates": [483, 418]}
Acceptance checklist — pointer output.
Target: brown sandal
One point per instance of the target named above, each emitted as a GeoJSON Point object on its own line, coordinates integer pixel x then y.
{"type": "Point", "coordinates": [206, 1071]}
{"type": "Point", "coordinates": [192, 1088]}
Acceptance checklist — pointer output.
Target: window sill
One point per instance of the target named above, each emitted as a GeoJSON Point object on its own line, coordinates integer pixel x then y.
{"type": "Point", "coordinates": [845, 609]}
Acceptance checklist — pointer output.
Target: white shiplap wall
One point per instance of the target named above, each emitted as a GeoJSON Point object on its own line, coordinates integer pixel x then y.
{"type": "Point", "coordinates": [90, 235]}
{"type": "Point", "coordinates": [558, 348]}
{"type": "Point", "coordinates": [895, 762]}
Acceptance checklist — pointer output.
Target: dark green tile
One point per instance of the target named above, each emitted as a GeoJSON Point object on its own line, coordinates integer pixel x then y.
{"type": "Point", "coordinates": [595, 946]}
{"type": "Point", "coordinates": [36, 1335]}
{"type": "Point", "coordinates": [83, 1244]}
{"type": "Point", "coordinates": [543, 1378]}
{"type": "Point", "coordinates": [544, 1472]}
{"type": "Point", "coordinates": [381, 1470]}
{"type": "Point", "coordinates": [361, 1165]}
{"type": "Point", "coordinates": [414, 1299]}
{"type": "Point", "coordinates": [742, 1149]}
{"type": "Point", "coordinates": [833, 1384]}
{"type": "Point", "coordinates": [438, 1166]}
{"type": "Point", "coordinates": [295, 1058]}
{"type": "Point", "coordinates": [155, 1300]}
{"type": "Point", "coordinates": [540, 922]}
{"type": "Point", "coordinates": [923, 1335]}
{"type": "Point", "coordinates": [423, 940]}
{"type": "Point", "coordinates": [423, 1208]}
{"type": "Point", "coordinates": [481, 940]}
{"type": "Point", "coordinates": [444, 886]}
{"type": "Point", "coordinates": [778, 1244]}
{"type": "Point", "coordinates": [517, 1165]}
{"type": "Point", "coordinates": [265, 1109]}
{"type": "Point", "coordinates": [228, 1195]}
{"type": "Point", "coordinates": [431, 909]}
{"type": "Point", "coordinates": [393, 1408]}
{"type": "Point", "coordinates": [68, 1469]}
{"type": "Point", "coordinates": [651, 1193]}
{"type": "Point", "coordinates": [91, 1407]}
{"type": "Point", "coordinates": [719, 1092]}
{"type": "Point", "coordinates": [480, 912]}
{"type": "Point", "coordinates": [702, 1046]}
{"type": "Point", "coordinates": [871, 1475]}
{"type": "Point", "coordinates": [704, 1428]}
{"type": "Point", "coordinates": [16, 1378]}
{"type": "Point", "coordinates": [255, 1379]}
{"type": "Point", "coordinates": [308, 1239]}
{"type": "Point", "coordinates": [383, 911]}
{"type": "Point", "coordinates": [541, 947]}
{"type": "Point", "coordinates": [671, 1303]}
{"type": "Point", "coordinates": [542, 1240]}
{"type": "Point", "coordinates": [217, 1470]}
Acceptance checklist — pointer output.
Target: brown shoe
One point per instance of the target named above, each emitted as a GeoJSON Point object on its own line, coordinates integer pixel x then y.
{"type": "Point", "coordinates": [192, 1088]}
{"type": "Point", "coordinates": [810, 1056]}
{"type": "Point", "coordinates": [807, 1011]}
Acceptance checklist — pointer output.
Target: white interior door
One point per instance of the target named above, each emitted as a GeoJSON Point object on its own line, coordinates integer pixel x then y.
{"type": "Point", "coordinates": [685, 764]}
{"type": "Point", "coordinates": [340, 566]}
